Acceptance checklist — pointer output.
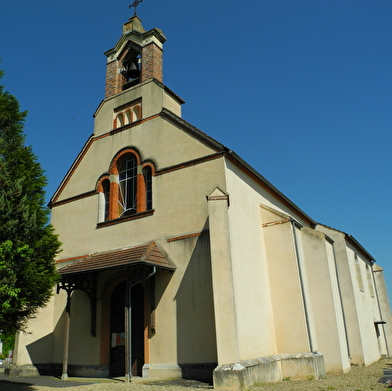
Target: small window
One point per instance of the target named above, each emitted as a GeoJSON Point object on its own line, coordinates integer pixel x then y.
{"type": "Point", "coordinates": [147, 175]}
{"type": "Point", "coordinates": [103, 199]}
{"type": "Point", "coordinates": [106, 195]}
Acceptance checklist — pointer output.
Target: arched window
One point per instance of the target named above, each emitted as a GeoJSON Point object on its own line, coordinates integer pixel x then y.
{"type": "Point", "coordinates": [147, 175]}
{"type": "Point", "coordinates": [127, 177]}
{"type": "Point", "coordinates": [103, 187]}
{"type": "Point", "coordinates": [126, 189]}
{"type": "Point", "coordinates": [106, 197]}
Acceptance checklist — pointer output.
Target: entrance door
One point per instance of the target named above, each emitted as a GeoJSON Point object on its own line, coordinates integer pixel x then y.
{"type": "Point", "coordinates": [117, 330]}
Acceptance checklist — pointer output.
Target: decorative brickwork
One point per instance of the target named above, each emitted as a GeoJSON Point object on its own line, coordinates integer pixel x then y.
{"type": "Point", "coordinates": [151, 63]}
{"type": "Point", "coordinates": [137, 50]}
{"type": "Point", "coordinates": [114, 79]}
{"type": "Point", "coordinates": [127, 115]}
{"type": "Point", "coordinates": [143, 189]}
{"type": "Point", "coordinates": [141, 205]}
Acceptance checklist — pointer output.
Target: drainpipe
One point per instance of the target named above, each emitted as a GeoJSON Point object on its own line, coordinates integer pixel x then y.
{"type": "Point", "coordinates": [128, 323]}
{"type": "Point", "coordinates": [293, 224]}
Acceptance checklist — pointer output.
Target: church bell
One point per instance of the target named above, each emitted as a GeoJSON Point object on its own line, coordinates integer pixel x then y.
{"type": "Point", "coordinates": [134, 71]}
{"type": "Point", "coordinates": [131, 70]}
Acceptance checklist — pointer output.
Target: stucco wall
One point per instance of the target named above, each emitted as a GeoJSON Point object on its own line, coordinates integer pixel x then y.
{"type": "Point", "coordinates": [256, 333]}
{"type": "Point", "coordinates": [326, 301]}
{"type": "Point", "coordinates": [359, 300]}
{"type": "Point", "coordinates": [154, 99]}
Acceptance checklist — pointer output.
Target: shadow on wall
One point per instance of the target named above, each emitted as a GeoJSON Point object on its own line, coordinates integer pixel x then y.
{"type": "Point", "coordinates": [196, 344]}
{"type": "Point", "coordinates": [41, 350]}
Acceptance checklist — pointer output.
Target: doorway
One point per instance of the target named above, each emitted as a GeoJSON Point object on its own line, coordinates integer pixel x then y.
{"type": "Point", "coordinates": [118, 333]}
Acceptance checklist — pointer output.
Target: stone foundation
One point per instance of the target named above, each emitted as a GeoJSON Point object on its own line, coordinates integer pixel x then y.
{"type": "Point", "coordinates": [164, 371]}
{"type": "Point", "coordinates": [55, 369]}
{"type": "Point", "coordinates": [242, 375]}
{"type": "Point", "coordinates": [21, 371]}
{"type": "Point", "coordinates": [201, 372]}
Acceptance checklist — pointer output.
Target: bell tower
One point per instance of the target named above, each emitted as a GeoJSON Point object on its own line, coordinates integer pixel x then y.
{"type": "Point", "coordinates": [136, 58]}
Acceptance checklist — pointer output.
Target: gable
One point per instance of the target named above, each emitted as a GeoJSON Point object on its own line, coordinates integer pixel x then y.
{"type": "Point", "coordinates": [165, 140]}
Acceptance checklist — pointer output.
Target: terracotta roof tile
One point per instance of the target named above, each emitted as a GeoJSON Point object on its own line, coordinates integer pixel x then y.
{"type": "Point", "coordinates": [147, 254]}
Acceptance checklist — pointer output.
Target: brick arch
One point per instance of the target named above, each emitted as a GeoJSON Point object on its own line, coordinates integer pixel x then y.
{"type": "Point", "coordinates": [113, 165]}
{"type": "Point", "coordinates": [101, 179]}
{"type": "Point", "coordinates": [143, 191]}
{"type": "Point", "coordinates": [146, 186]}
{"type": "Point", "coordinates": [149, 163]}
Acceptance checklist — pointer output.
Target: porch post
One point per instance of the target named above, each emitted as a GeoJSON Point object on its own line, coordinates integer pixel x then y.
{"type": "Point", "coordinates": [128, 333]}
{"type": "Point", "coordinates": [64, 375]}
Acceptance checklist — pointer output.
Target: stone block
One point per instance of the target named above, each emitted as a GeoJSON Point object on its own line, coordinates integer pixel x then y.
{"type": "Point", "coordinates": [244, 374]}
{"type": "Point", "coordinates": [21, 371]}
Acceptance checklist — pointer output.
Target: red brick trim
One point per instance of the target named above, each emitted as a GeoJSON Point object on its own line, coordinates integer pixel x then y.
{"type": "Point", "coordinates": [189, 163]}
{"type": "Point", "coordinates": [71, 259]}
{"type": "Point", "coordinates": [75, 198]}
{"type": "Point", "coordinates": [182, 237]}
{"type": "Point", "coordinates": [149, 163]}
{"type": "Point", "coordinates": [154, 173]}
{"type": "Point", "coordinates": [277, 222]}
{"type": "Point", "coordinates": [141, 205]}
{"type": "Point", "coordinates": [98, 186]}
{"type": "Point", "coordinates": [113, 201]}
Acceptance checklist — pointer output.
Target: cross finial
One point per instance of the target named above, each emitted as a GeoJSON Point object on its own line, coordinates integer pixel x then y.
{"type": "Point", "coordinates": [135, 4]}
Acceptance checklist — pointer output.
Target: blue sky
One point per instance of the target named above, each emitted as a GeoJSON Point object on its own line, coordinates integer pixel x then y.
{"type": "Point", "coordinates": [300, 89]}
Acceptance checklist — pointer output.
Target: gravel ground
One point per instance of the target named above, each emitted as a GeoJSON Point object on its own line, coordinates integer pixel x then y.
{"type": "Point", "coordinates": [358, 379]}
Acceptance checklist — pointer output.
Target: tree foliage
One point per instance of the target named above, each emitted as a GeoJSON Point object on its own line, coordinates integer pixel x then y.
{"type": "Point", "coordinates": [28, 244]}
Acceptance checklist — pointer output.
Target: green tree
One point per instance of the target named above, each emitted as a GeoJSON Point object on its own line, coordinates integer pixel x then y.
{"type": "Point", "coordinates": [28, 244]}
{"type": "Point", "coordinates": [8, 343]}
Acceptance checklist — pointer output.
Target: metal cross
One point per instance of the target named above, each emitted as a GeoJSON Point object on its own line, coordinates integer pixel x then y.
{"type": "Point", "coordinates": [135, 4]}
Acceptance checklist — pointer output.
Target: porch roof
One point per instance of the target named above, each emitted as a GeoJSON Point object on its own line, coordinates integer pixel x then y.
{"type": "Point", "coordinates": [148, 254]}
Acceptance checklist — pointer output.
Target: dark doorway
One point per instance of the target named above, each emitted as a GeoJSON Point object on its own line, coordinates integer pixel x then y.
{"type": "Point", "coordinates": [117, 330]}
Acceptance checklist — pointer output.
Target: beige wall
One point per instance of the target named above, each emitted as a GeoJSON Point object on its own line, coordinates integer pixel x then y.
{"type": "Point", "coordinates": [266, 259]}
{"type": "Point", "coordinates": [171, 198]}
{"type": "Point", "coordinates": [184, 314]}
{"type": "Point", "coordinates": [326, 301]}
{"type": "Point", "coordinates": [385, 308]}
{"type": "Point", "coordinates": [154, 99]}
{"type": "Point", "coordinates": [359, 300]}
{"type": "Point", "coordinates": [256, 337]}
{"type": "Point", "coordinates": [36, 346]}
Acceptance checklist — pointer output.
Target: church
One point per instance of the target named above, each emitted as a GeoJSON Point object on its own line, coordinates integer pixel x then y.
{"type": "Point", "coordinates": [180, 260]}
